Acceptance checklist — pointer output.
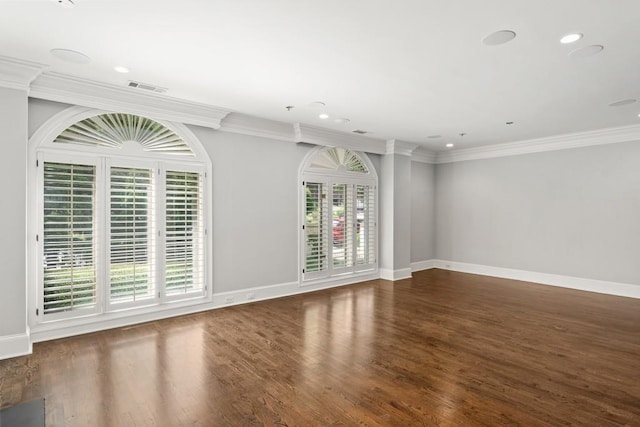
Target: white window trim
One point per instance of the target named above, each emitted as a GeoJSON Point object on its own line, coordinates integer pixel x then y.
{"type": "Point", "coordinates": [42, 142]}
{"type": "Point", "coordinates": [329, 177]}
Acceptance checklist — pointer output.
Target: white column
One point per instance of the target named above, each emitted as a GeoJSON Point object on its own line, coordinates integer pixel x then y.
{"type": "Point", "coordinates": [15, 77]}
{"type": "Point", "coordinates": [395, 211]}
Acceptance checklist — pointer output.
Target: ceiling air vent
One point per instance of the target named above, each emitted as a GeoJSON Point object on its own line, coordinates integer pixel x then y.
{"type": "Point", "coordinates": [146, 86]}
{"type": "Point", "coordinates": [359, 132]}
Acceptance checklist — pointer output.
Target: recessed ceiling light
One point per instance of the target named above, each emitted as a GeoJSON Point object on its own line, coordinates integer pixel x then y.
{"type": "Point", "coordinates": [323, 116]}
{"type": "Point", "coordinates": [121, 69]}
{"type": "Point", "coordinates": [71, 56]}
{"type": "Point", "coordinates": [571, 38]}
{"type": "Point", "coordinates": [317, 104]}
{"type": "Point", "coordinates": [434, 136]}
{"type": "Point", "coordinates": [499, 37]}
{"type": "Point", "coordinates": [586, 51]}
{"type": "Point", "coordinates": [449, 145]}
{"type": "Point", "coordinates": [623, 102]}
{"type": "Point", "coordinates": [342, 120]}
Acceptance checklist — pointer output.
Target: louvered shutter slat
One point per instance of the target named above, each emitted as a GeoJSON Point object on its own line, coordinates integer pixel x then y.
{"type": "Point", "coordinates": [69, 275]}
{"type": "Point", "coordinates": [184, 233]}
{"type": "Point", "coordinates": [131, 261]}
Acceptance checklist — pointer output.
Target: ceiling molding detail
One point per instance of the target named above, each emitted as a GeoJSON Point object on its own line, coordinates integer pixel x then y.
{"type": "Point", "coordinates": [18, 74]}
{"type": "Point", "coordinates": [73, 90]}
{"type": "Point", "coordinates": [331, 138]}
{"type": "Point", "coordinates": [552, 143]}
{"type": "Point", "coordinates": [395, 146]}
{"type": "Point", "coordinates": [256, 126]}
{"type": "Point", "coordinates": [423, 155]}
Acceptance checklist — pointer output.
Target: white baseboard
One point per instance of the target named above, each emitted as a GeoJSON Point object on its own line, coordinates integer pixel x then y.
{"type": "Point", "coordinates": [578, 283]}
{"type": "Point", "coordinates": [61, 329]}
{"type": "Point", "coordinates": [423, 265]}
{"type": "Point", "coordinates": [388, 274]}
{"type": "Point", "coordinates": [15, 345]}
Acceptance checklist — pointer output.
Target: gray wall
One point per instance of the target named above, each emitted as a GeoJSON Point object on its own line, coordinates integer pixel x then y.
{"type": "Point", "coordinates": [255, 203]}
{"type": "Point", "coordinates": [423, 213]}
{"type": "Point", "coordinates": [13, 163]}
{"type": "Point", "coordinates": [572, 212]}
{"type": "Point", "coordinates": [255, 212]}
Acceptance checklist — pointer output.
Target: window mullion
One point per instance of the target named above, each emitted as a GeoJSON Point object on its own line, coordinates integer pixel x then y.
{"type": "Point", "coordinates": [101, 245]}
{"type": "Point", "coordinates": [160, 232]}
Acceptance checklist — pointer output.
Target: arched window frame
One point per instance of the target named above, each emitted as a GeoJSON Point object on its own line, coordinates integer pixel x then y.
{"type": "Point", "coordinates": [42, 148]}
{"type": "Point", "coordinates": [329, 178]}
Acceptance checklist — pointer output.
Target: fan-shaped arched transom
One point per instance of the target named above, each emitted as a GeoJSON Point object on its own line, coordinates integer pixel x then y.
{"type": "Point", "coordinates": [337, 158]}
{"type": "Point", "coordinates": [115, 129]}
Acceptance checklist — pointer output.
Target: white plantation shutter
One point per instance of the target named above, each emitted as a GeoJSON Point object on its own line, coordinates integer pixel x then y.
{"type": "Point", "coordinates": [184, 233]}
{"type": "Point", "coordinates": [315, 228]}
{"type": "Point", "coordinates": [366, 226]}
{"type": "Point", "coordinates": [342, 226]}
{"type": "Point", "coordinates": [340, 229]}
{"type": "Point", "coordinates": [69, 268]}
{"type": "Point", "coordinates": [120, 227]}
{"type": "Point", "coordinates": [131, 237]}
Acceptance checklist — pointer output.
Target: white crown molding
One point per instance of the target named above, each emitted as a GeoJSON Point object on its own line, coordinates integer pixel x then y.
{"type": "Point", "coordinates": [395, 146]}
{"type": "Point", "coordinates": [424, 156]}
{"type": "Point", "coordinates": [74, 90]}
{"type": "Point", "coordinates": [18, 74]}
{"type": "Point", "coordinates": [552, 143]}
{"type": "Point", "coordinates": [331, 138]}
{"type": "Point", "coordinates": [256, 126]}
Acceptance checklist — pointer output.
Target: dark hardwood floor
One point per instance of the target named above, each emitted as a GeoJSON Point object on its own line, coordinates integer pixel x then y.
{"type": "Point", "coordinates": [441, 349]}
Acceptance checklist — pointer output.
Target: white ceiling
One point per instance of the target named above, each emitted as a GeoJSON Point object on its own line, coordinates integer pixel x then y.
{"type": "Point", "coordinates": [403, 69]}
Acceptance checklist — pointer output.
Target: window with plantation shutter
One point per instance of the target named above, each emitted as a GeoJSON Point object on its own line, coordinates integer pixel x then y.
{"type": "Point", "coordinates": [68, 262]}
{"type": "Point", "coordinates": [123, 219]}
{"type": "Point", "coordinates": [131, 237]}
{"type": "Point", "coordinates": [184, 239]}
{"type": "Point", "coordinates": [340, 229]}
{"type": "Point", "coordinates": [315, 227]}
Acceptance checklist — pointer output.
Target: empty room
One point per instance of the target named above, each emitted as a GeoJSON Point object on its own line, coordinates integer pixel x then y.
{"type": "Point", "coordinates": [238, 213]}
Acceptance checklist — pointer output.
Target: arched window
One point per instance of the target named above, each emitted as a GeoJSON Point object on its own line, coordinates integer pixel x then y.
{"type": "Point", "coordinates": [339, 214]}
{"type": "Point", "coordinates": [121, 207]}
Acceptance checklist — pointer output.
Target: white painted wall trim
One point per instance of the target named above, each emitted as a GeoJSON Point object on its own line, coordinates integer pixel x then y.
{"type": "Point", "coordinates": [77, 91]}
{"type": "Point", "coordinates": [393, 275]}
{"type": "Point", "coordinates": [423, 265]}
{"type": "Point", "coordinates": [18, 74]}
{"type": "Point", "coordinates": [589, 285]}
{"type": "Point", "coordinates": [15, 345]}
{"type": "Point", "coordinates": [552, 143]}
{"type": "Point", "coordinates": [395, 146]}
{"type": "Point", "coordinates": [424, 156]}
{"type": "Point", "coordinates": [54, 330]}
{"type": "Point", "coordinates": [256, 126]}
{"type": "Point", "coordinates": [331, 138]}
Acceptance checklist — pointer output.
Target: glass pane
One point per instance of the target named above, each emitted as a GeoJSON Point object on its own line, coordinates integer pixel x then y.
{"type": "Point", "coordinates": [314, 226]}
{"type": "Point", "coordinates": [69, 273]}
{"type": "Point", "coordinates": [342, 225]}
{"type": "Point", "coordinates": [184, 233]}
{"type": "Point", "coordinates": [131, 237]}
{"type": "Point", "coordinates": [365, 230]}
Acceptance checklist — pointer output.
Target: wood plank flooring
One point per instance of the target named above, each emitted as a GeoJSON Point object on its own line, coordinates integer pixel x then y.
{"type": "Point", "coordinates": [440, 349]}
